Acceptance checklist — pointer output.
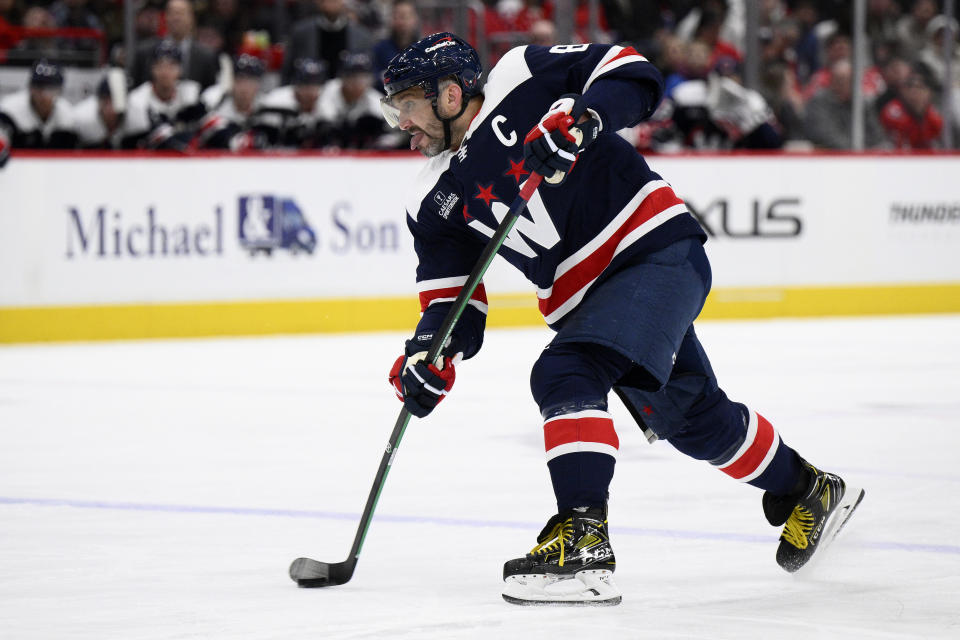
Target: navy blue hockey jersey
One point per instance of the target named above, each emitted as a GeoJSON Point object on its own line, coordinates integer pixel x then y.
{"type": "Point", "coordinates": [611, 208]}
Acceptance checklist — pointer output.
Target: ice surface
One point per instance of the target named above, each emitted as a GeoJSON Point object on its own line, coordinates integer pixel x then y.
{"type": "Point", "coordinates": [161, 489]}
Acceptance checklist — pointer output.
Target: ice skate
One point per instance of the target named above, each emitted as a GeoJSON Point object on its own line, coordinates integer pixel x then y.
{"type": "Point", "coordinates": [572, 564]}
{"type": "Point", "coordinates": [813, 519]}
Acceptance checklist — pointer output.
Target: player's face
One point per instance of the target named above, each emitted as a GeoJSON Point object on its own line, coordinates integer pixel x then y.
{"type": "Point", "coordinates": [307, 96]}
{"type": "Point", "coordinates": [166, 73]}
{"type": "Point", "coordinates": [43, 100]}
{"type": "Point", "coordinates": [245, 90]}
{"type": "Point", "coordinates": [413, 113]}
{"type": "Point", "coordinates": [355, 85]}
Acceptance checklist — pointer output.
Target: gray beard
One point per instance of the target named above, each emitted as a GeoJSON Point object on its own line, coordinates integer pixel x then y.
{"type": "Point", "coordinates": [435, 148]}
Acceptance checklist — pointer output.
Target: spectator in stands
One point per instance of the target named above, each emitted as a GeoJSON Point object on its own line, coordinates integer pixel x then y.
{"type": "Point", "coordinates": [370, 14]}
{"type": "Point", "coordinates": [351, 107]}
{"type": "Point", "coordinates": [671, 56]}
{"type": "Point", "coordinates": [882, 16]}
{"type": "Point", "coordinates": [714, 21]}
{"type": "Point", "coordinates": [838, 48]}
{"type": "Point", "coordinates": [98, 119]}
{"type": "Point", "coordinates": [147, 24]}
{"type": "Point", "coordinates": [11, 13]}
{"type": "Point", "coordinates": [33, 48]}
{"type": "Point", "coordinates": [806, 13]}
{"type": "Point", "coordinates": [779, 89]}
{"type": "Point", "coordinates": [708, 32]}
{"type": "Point", "coordinates": [637, 23]}
{"type": "Point", "coordinates": [910, 119]}
{"type": "Point", "coordinates": [232, 22]}
{"type": "Point", "coordinates": [198, 63]}
{"type": "Point", "coordinates": [895, 71]}
{"type": "Point", "coordinates": [75, 13]}
{"type": "Point", "coordinates": [695, 66]}
{"type": "Point", "coordinates": [543, 33]}
{"type": "Point", "coordinates": [325, 37]}
{"type": "Point", "coordinates": [911, 31]}
{"type": "Point", "coordinates": [209, 34]}
{"type": "Point", "coordinates": [38, 117]}
{"type": "Point", "coordinates": [163, 113]}
{"type": "Point", "coordinates": [932, 58]}
{"type": "Point", "coordinates": [291, 115]}
{"type": "Point", "coordinates": [9, 16]}
{"type": "Point", "coordinates": [829, 122]}
{"type": "Point", "coordinates": [404, 30]}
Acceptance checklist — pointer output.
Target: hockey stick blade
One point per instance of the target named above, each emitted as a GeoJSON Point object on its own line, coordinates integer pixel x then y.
{"type": "Point", "coordinates": [311, 574]}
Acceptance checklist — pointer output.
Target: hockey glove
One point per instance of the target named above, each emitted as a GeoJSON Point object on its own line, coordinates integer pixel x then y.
{"type": "Point", "coordinates": [419, 385]}
{"type": "Point", "coordinates": [551, 148]}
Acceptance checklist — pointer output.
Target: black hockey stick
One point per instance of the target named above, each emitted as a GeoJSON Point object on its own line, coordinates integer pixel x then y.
{"type": "Point", "coordinates": [313, 573]}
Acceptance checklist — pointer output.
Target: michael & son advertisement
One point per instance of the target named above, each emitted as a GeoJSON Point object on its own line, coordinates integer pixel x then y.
{"type": "Point", "coordinates": [133, 230]}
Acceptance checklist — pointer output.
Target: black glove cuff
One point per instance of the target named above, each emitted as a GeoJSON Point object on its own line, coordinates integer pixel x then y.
{"type": "Point", "coordinates": [423, 342]}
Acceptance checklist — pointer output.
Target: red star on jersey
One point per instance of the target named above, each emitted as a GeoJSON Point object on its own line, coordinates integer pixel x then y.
{"type": "Point", "coordinates": [485, 194]}
{"type": "Point", "coordinates": [647, 409]}
{"type": "Point", "coordinates": [516, 170]}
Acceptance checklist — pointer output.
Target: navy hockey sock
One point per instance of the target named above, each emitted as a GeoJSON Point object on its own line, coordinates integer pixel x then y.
{"type": "Point", "coordinates": [570, 383]}
{"type": "Point", "coordinates": [581, 454]}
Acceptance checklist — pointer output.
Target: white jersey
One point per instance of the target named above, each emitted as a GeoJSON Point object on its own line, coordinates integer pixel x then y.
{"type": "Point", "coordinates": [25, 127]}
{"type": "Point", "coordinates": [145, 111]}
{"type": "Point", "coordinates": [335, 109]}
{"type": "Point", "coordinates": [90, 128]}
{"type": "Point", "coordinates": [220, 102]}
{"type": "Point", "coordinates": [283, 98]}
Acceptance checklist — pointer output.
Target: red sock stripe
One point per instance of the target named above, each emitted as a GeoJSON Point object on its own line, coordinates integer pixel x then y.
{"type": "Point", "coordinates": [561, 431]}
{"type": "Point", "coordinates": [748, 463]}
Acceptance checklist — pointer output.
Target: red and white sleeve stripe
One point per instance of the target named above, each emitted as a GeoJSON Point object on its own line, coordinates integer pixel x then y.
{"type": "Point", "coordinates": [756, 453]}
{"type": "Point", "coordinates": [590, 430]}
{"type": "Point", "coordinates": [615, 58]}
{"type": "Point", "coordinates": [653, 205]}
{"type": "Point", "coordinates": [447, 290]}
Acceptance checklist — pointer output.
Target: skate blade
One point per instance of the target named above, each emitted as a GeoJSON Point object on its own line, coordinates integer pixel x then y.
{"type": "Point", "coordinates": [591, 587]}
{"type": "Point", "coordinates": [852, 498]}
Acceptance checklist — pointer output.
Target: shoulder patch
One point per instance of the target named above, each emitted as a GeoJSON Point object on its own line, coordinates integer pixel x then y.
{"type": "Point", "coordinates": [426, 181]}
{"type": "Point", "coordinates": [446, 202]}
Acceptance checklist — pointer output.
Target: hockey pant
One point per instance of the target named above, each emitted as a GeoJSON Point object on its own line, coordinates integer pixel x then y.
{"type": "Point", "coordinates": [634, 334]}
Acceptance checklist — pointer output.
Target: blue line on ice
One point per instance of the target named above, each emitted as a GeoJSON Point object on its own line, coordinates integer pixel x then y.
{"type": "Point", "coordinates": [450, 522]}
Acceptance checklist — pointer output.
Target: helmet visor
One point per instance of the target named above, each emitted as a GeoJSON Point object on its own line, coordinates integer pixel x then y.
{"type": "Point", "coordinates": [401, 106]}
{"type": "Point", "coordinates": [390, 113]}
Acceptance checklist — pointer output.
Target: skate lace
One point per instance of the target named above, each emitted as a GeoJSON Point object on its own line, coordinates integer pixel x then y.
{"type": "Point", "coordinates": [561, 533]}
{"type": "Point", "coordinates": [798, 527]}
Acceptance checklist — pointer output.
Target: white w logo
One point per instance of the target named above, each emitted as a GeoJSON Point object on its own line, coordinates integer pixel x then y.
{"type": "Point", "coordinates": [540, 230]}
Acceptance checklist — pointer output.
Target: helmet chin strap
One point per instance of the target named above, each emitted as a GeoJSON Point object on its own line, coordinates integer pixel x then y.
{"type": "Point", "coordinates": [446, 121]}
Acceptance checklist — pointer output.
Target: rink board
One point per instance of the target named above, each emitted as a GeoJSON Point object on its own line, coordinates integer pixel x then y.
{"type": "Point", "coordinates": [142, 246]}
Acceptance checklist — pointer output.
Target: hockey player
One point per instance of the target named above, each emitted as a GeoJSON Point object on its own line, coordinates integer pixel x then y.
{"type": "Point", "coordinates": [232, 110]}
{"type": "Point", "coordinates": [351, 106]}
{"type": "Point", "coordinates": [98, 119]}
{"type": "Point", "coordinates": [291, 115]}
{"type": "Point", "coordinates": [37, 117]}
{"type": "Point", "coordinates": [163, 112]}
{"type": "Point", "coordinates": [620, 272]}
{"type": "Point", "coordinates": [240, 101]}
